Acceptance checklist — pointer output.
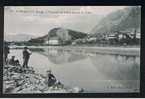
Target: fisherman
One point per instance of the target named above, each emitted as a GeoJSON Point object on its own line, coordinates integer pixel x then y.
{"type": "Point", "coordinates": [26, 56]}
{"type": "Point", "coordinates": [6, 52]}
{"type": "Point", "coordinates": [50, 78]}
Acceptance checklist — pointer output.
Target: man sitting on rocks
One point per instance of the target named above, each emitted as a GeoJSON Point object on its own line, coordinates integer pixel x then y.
{"type": "Point", "coordinates": [50, 78]}
{"type": "Point", "coordinates": [14, 62]}
{"type": "Point", "coordinates": [17, 63]}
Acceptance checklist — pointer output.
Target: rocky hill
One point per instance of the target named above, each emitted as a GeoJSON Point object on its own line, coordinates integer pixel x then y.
{"type": "Point", "coordinates": [127, 19]}
{"type": "Point", "coordinates": [61, 32]}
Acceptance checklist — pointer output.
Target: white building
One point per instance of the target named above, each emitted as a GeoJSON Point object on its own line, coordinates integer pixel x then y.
{"type": "Point", "coordinates": [53, 41]}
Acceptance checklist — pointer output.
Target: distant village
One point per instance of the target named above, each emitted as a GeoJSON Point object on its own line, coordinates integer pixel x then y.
{"type": "Point", "coordinates": [60, 36]}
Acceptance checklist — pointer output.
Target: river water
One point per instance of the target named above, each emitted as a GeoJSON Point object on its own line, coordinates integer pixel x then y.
{"type": "Point", "coordinates": [90, 71]}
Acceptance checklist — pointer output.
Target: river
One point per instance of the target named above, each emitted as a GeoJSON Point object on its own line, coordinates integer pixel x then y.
{"type": "Point", "coordinates": [91, 71]}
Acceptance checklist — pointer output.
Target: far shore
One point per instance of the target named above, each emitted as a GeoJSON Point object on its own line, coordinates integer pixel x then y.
{"type": "Point", "coordinates": [130, 51]}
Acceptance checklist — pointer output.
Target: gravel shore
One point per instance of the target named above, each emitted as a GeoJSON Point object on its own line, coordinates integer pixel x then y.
{"type": "Point", "coordinates": [17, 79]}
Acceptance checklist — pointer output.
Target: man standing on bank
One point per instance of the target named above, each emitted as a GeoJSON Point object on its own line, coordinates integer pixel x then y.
{"type": "Point", "coordinates": [6, 52]}
{"type": "Point", "coordinates": [26, 56]}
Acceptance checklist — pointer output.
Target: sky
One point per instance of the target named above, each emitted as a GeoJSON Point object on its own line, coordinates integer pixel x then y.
{"type": "Point", "coordinates": [39, 20]}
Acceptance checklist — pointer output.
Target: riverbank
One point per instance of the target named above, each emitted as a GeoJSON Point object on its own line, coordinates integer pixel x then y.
{"type": "Point", "coordinates": [17, 79]}
{"type": "Point", "coordinates": [130, 51]}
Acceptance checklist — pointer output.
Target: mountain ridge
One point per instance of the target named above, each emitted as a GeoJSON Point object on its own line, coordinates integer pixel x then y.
{"type": "Point", "coordinates": [126, 19]}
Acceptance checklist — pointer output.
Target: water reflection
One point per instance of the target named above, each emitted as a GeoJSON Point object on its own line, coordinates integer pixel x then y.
{"type": "Point", "coordinates": [60, 56]}
{"type": "Point", "coordinates": [125, 58]}
{"type": "Point", "coordinates": [65, 56]}
{"type": "Point", "coordinates": [117, 68]}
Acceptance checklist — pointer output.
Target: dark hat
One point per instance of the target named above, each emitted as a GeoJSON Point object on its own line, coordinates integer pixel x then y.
{"type": "Point", "coordinates": [48, 71]}
{"type": "Point", "coordinates": [25, 47]}
{"type": "Point", "coordinates": [13, 56]}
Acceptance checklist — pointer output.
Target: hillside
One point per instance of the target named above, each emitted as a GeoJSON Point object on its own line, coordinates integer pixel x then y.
{"type": "Point", "coordinates": [74, 34]}
{"type": "Point", "coordinates": [55, 31]}
{"type": "Point", "coordinates": [126, 19]}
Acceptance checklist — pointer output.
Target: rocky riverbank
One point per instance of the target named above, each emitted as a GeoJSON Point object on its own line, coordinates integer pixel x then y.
{"type": "Point", "coordinates": [17, 79]}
